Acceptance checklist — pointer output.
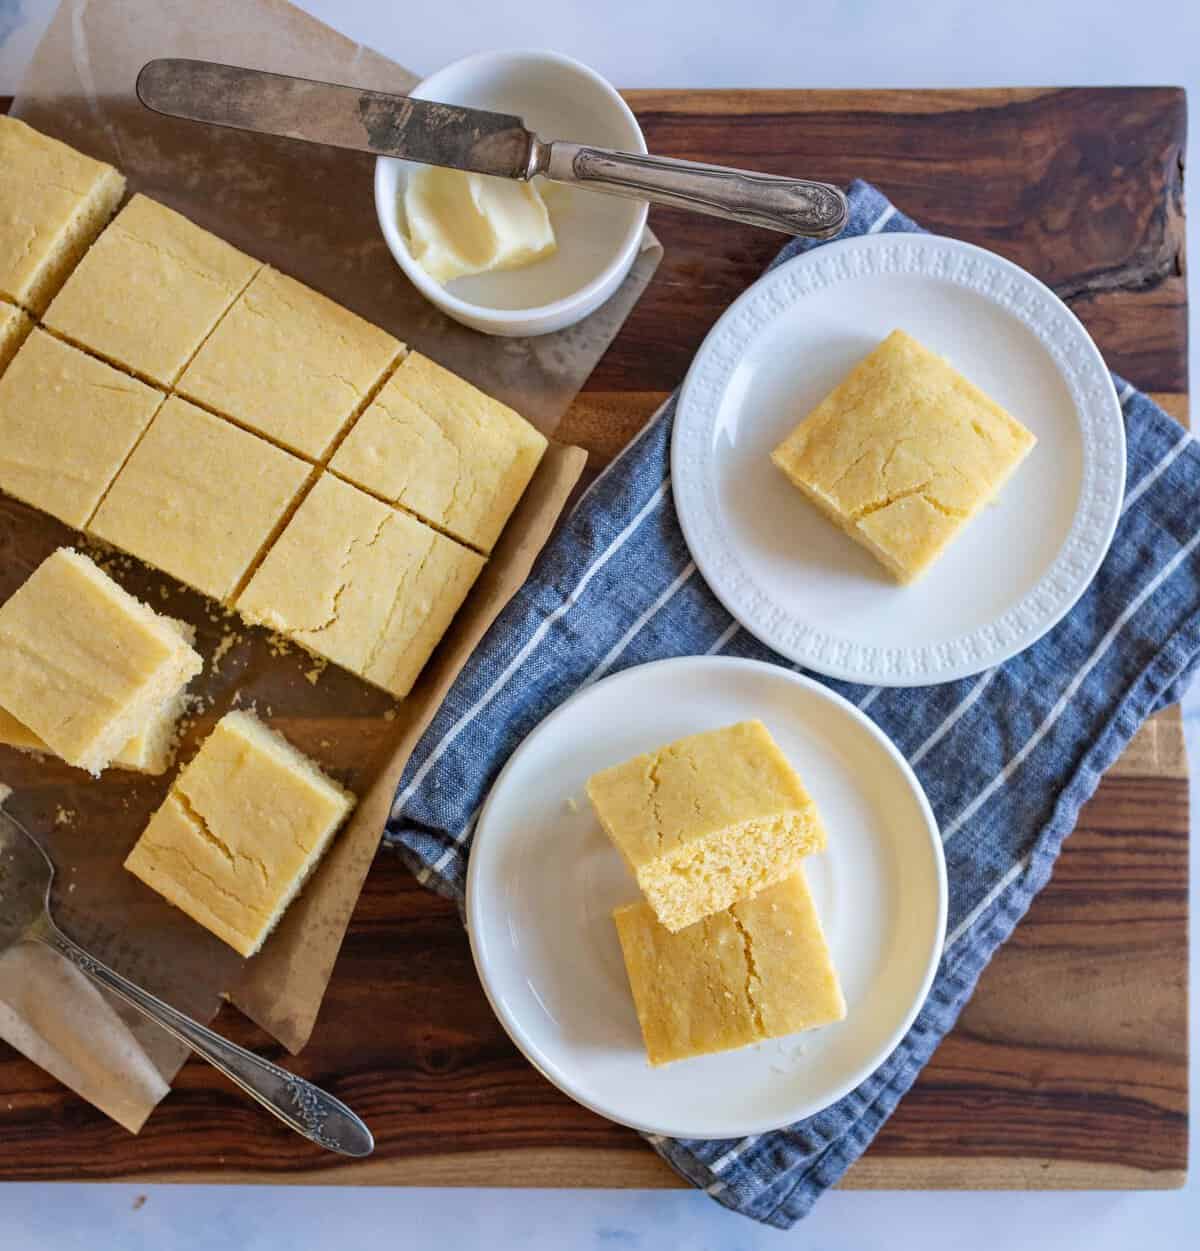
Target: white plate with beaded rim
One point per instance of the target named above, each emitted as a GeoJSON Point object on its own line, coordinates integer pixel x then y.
{"type": "Point", "coordinates": [797, 582]}
{"type": "Point", "coordinates": [543, 880]}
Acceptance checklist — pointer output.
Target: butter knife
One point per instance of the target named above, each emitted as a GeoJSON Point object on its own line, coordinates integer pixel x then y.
{"type": "Point", "coordinates": [479, 141]}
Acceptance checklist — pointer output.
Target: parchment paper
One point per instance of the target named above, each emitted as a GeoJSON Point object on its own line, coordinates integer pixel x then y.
{"type": "Point", "coordinates": [310, 212]}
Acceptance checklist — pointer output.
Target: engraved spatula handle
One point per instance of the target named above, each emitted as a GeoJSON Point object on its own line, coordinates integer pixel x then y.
{"type": "Point", "coordinates": [796, 206]}
{"type": "Point", "coordinates": [308, 1109]}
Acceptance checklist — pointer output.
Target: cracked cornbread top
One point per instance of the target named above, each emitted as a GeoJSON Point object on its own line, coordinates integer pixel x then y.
{"type": "Point", "coordinates": [903, 452]}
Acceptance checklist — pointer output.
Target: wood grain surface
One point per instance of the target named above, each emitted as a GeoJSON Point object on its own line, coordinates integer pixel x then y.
{"type": "Point", "coordinates": [1069, 1066]}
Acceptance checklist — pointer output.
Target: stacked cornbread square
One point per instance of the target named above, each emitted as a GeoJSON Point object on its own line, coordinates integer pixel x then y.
{"type": "Point", "coordinates": [219, 420]}
{"type": "Point", "coordinates": [726, 948]}
{"type": "Point", "coordinates": [240, 830]}
{"type": "Point", "coordinates": [87, 672]}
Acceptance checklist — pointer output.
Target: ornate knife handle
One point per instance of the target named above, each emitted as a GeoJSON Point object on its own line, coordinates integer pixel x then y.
{"type": "Point", "coordinates": [308, 1109]}
{"type": "Point", "coordinates": [797, 206]}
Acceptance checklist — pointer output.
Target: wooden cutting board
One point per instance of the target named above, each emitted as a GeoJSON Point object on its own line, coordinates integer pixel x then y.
{"type": "Point", "coordinates": [1069, 1066]}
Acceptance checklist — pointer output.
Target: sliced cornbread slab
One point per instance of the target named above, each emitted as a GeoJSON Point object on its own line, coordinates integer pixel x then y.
{"type": "Point", "coordinates": [708, 820]}
{"type": "Point", "coordinates": [15, 325]}
{"type": "Point", "coordinates": [362, 584]}
{"type": "Point", "coordinates": [436, 445]}
{"type": "Point", "coordinates": [759, 970]}
{"type": "Point", "coordinates": [149, 291]}
{"type": "Point", "coordinates": [67, 423]}
{"type": "Point", "coordinates": [290, 364]}
{"type": "Point", "coordinates": [199, 498]}
{"type": "Point", "coordinates": [150, 751]}
{"type": "Point", "coordinates": [55, 202]}
{"type": "Point", "coordinates": [85, 666]}
{"type": "Point", "coordinates": [240, 830]}
{"type": "Point", "coordinates": [903, 453]}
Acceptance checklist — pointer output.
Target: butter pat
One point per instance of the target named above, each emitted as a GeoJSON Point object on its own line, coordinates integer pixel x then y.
{"type": "Point", "coordinates": [759, 970]}
{"type": "Point", "coordinates": [241, 829]}
{"type": "Point", "coordinates": [708, 820]}
{"type": "Point", "coordinates": [461, 224]}
{"type": "Point", "coordinates": [83, 664]}
{"type": "Point", "coordinates": [903, 453]}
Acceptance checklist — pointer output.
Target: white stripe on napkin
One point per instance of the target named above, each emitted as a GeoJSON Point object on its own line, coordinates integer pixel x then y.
{"type": "Point", "coordinates": [953, 718]}
{"type": "Point", "coordinates": [986, 902]}
{"type": "Point", "coordinates": [1157, 472]}
{"type": "Point", "coordinates": [1072, 689]}
{"type": "Point", "coordinates": [723, 638]}
{"type": "Point", "coordinates": [882, 220]}
{"type": "Point", "coordinates": [623, 642]}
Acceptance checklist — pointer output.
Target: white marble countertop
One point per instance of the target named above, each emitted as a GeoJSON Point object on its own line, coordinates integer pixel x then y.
{"type": "Point", "coordinates": [677, 43]}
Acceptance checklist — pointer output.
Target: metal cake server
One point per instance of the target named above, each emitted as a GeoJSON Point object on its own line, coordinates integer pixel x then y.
{"type": "Point", "coordinates": [26, 875]}
{"type": "Point", "coordinates": [479, 141]}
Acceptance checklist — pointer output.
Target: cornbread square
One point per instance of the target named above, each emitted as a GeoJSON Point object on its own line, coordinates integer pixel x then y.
{"type": "Point", "coordinates": [290, 364]}
{"type": "Point", "coordinates": [708, 820]}
{"type": "Point", "coordinates": [436, 445]}
{"type": "Point", "coordinates": [15, 325]}
{"type": "Point", "coordinates": [83, 664]}
{"type": "Point", "coordinates": [902, 453]}
{"type": "Point", "coordinates": [67, 423]}
{"type": "Point", "coordinates": [759, 970]}
{"type": "Point", "coordinates": [200, 498]}
{"type": "Point", "coordinates": [362, 584]}
{"type": "Point", "coordinates": [241, 829]}
{"type": "Point", "coordinates": [149, 751]}
{"type": "Point", "coordinates": [149, 291]}
{"type": "Point", "coordinates": [55, 202]}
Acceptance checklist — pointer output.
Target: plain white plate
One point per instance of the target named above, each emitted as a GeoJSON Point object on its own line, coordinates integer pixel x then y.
{"type": "Point", "coordinates": [799, 584]}
{"type": "Point", "coordinates": [544, 879]}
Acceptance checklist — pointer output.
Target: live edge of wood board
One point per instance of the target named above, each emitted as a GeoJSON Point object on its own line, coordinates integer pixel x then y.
{"type": "Point", "coordinates": [1068, 1069]}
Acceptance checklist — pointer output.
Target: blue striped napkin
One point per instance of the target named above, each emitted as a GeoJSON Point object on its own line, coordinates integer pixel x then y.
{"type": "Point", "coordinates": [1007, 757]}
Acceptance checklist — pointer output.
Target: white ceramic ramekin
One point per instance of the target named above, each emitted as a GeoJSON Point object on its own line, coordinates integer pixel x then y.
{"type": "Point", "coordinates": [598, 235]}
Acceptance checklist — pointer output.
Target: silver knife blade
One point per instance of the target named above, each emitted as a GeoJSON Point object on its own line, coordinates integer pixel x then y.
{"type": "Point", "coordinates": [345, 117]}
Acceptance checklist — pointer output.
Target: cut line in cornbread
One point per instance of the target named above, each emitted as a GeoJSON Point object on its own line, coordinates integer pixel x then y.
{"type": "Point", "coordinates": [55, 202]}
{"type": "Point", "coordinates": [149, 291]}
{"type": "Point", "coordinates": [15, 325]}
{"type": "Point", "coordinates": [362, 584]}
{"type": "Point", "coordinates": [200, 498]}
{"type": "Point", "coordinates": [708, 820]}
{"type": "Point", "coordinates": [441, 448]}
{"type": "Point", "coordinates": [241, 829]}
{"type": "Point", "coordinates": [83, 664]}
{"type": "Point", "coordinates": [67, 423]}
{"type": "Point", "coordinates": [289, 364]}
{"type": "Point", "coordinates": [759, 970]}
{"type": "Point", "coordinates": [902, 453]}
